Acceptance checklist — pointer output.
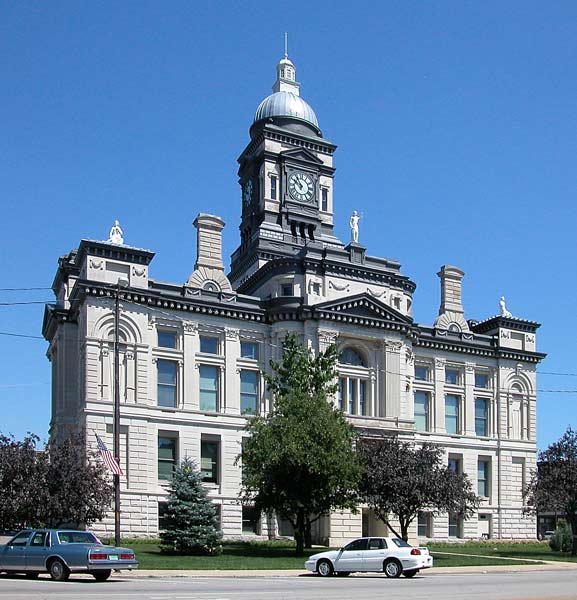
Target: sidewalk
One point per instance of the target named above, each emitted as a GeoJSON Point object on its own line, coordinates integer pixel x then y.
{"type": "Point", "coordinates": [545, 566]}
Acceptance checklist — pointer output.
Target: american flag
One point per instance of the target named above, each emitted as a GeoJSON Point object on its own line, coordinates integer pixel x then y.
{"type": "Point", "coordinates": [107, 457]}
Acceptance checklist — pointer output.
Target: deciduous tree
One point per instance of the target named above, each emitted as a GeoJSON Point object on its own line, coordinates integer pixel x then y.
{"type": "Point", "coordinates": [553, 486]}
{"type": "Point", "coordinates": [401, 479]}
{"type": "Point", "coordinates": [299, 461]}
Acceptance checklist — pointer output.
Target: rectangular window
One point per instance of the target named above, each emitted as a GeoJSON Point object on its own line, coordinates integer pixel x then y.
{"type": "Point", "coordinates": [208, 344]}
{"type": "Point", "coordinates": [162, 508]}
{"type": "Point", "coordinates": [483, 478]}
{"type": "Point", "coordinates": [208, 392]}
{"type": "Point", "coordinates": [167, 339]}
{"type": "Point", "coordinates": [273, 187]}
{"type": "Point", "coordinates": [248, 392]}
{"type": "Point", "coordinates": [249, 350]}
{"type": "Point", "coordinates": [452, 413]}
{"type": "Point", "coordinates": [341, 393]}
{"type": "Point", "coordinates": [455, 526]}
{"type": "Point", "coordinates": [452, 376]}
{"type": "Point", "coordinates": [362, 386]}
{"type": "Point", "coordinates": [250, 519]}
{"type": "Point", "coordinates": [286, 289]}
{"type": "Point", "coordinates": [481, 380]}
{"type": "Point", "coordinates": [352, 397]}
{"type": "Point", "coordinates": [166, 386]}
{"type": "Point", "coordinates": [166, 456]}
{"type": "Point", "coordinates": [422, 373]}
{"type": "Point", "coordinates": [481, 417]}
{"type": "Point", "coordinates": [209, 460]}
{"type": "Point", "coordinates": [421, 411]}
{"type": "Point", "coordinates": [324, 199]}
{"type": "Point", "coordinates": [455, 465]}
{"type": "Point", "coordinates": [424, 524]}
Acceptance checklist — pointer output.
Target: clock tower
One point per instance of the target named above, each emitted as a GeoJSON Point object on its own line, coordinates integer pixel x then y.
{"type": "Point", "coordinates": [286, 178]}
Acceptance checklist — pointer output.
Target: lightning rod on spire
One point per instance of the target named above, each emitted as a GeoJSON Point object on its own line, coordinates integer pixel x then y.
{"type": "Point", "coordinates": [286, 44]}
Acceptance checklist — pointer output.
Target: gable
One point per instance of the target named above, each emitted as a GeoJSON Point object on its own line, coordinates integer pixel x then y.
{"type": "Point", "coordinates": [362, 310]}
{"type": "Point", "coordinates": [301, 155]}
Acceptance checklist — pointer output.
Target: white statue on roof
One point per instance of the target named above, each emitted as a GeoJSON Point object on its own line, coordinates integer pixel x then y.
{"type": "Point", "coordinates": [116, 233]}
{"type": "Point", "coordinates": [354, 225]}
{"type": "Point", "coordinates": [503, 307]}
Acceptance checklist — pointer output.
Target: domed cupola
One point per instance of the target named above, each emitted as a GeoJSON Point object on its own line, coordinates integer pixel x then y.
{"type": "Point", "coordinates": [284, 107]}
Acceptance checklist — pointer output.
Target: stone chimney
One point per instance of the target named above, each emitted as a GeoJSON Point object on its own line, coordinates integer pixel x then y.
{"type": "Point", "coordinates": [451, 313]}
{"type": "Point", "coordinates": [208, 271]}
{"type": "Point", "coordinates": [209, 241]}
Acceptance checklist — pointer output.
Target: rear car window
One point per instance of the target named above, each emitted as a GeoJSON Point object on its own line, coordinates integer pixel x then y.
{"type": "Point", "coordinates": [401, 543]}
{"type": "Point", "coordinates": [377, 544]}
{"type": "Point", "coordinates": [76, 537]}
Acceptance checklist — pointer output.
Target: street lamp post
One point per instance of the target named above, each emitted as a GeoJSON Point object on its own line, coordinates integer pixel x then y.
{"type": "Point", "coordinates": [122, 283]}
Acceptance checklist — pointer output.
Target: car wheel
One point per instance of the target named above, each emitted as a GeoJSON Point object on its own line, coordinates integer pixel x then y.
{"type": "Point", "coordinates": [32, 575]}
{"type": "Point", "coordinates": [410, 573]}
{"type": "Point", "coordinates": [101, 575]}
{"type": "Point", "coordinates": [392, 568]}
{"type": "Point", "coordinates": [58, 570]}
{"type": "Point", "coordinates": [325, 568]}
{"type": "Point", "coordinates": [343, 573]}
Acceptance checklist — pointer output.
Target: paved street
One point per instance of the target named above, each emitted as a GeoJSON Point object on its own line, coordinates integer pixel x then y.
{"type": "Point", "coordinates": [527, 585]}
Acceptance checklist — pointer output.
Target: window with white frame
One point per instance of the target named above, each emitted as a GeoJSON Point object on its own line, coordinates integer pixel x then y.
{"type": "Point", "coordinates": [483, 477]}
{"type": "Point", "coordinates": [424, 524]}
{"type": "Point", "coordinates": [209, 344]}
{"type": "Point", "coordinates": [353, 382]}
{"type": "Point", "coordinates": [455, 526]}
{"type": "Point", "coordinates": [249, 350]}
{"type": "Point", "coordinates": [452, 413]}
{"type": "Point", "coordinates": [167, 383]}
{"type": "Point", "coordinates": [452, 376]}
{"type": "Point", "coordinates": [167, 455]}
{"type": "Point", "coordinates": [248, 392]}
{"type": "Point", "coordinates": [422, 373]}
{"type": "Point", "coordinates": [482, 417]}
{"type": "Point", "coordinates": [481, 380]}
{"type": "Point", "coordinates": [210, 460]}
{"type": "Point", "coordinates": [422, 410]}
{"type": "Point", "coordinates": [167, 339]}
{"type": "Point", "coordinates": [209, 388]}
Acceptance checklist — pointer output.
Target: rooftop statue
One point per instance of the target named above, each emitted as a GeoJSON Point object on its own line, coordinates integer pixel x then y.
{"type": "Point", "coordinates": [503, 307]}
{"type": "Point", "coordinates": [116, 233]}
{"type": "Point", "coordinates": [354, 225]}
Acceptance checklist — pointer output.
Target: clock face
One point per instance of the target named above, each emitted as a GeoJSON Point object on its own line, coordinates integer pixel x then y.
{"type": "Point", "coordinates": [301, 186]}
{"type": "Point", "coordinates": [247, 192]}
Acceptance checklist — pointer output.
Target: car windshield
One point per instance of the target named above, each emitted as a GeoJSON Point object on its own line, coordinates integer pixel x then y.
{"type": "Point", "coordinates": [77, 537]}
{"type": "Point", "coordinates": [401, 543]}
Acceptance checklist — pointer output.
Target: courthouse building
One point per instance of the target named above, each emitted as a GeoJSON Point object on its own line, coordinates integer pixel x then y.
{"type": "Point", "coordinates": [192, 352]}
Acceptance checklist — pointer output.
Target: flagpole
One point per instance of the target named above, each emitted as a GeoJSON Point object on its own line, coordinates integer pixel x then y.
{"type": "Point", "coordinates": [121, 283]}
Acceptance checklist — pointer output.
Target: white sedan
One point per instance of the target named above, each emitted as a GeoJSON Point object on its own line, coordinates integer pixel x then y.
{"type": "Point", "coordinates": [393, 556]}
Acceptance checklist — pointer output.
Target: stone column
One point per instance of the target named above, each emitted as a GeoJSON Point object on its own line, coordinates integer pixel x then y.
{"type": "Point", "coordinates": [469, 400]}
{"type": "Point", "coordinates": [393, 378]}
{"type": "Point", "coordinates": [439, 399]}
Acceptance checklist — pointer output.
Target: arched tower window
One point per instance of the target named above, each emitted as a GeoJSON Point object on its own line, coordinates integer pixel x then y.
{"type": "Point", "coordinates": [354, 379]}
{"type": "Point", "coordinates": [350, 356]}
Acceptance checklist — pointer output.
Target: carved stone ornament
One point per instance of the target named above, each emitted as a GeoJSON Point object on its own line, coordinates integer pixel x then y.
{"type": "Point", "coordinates": [377, 294]}
{"type": "Point", "coordinates": [116, 234]}
{"type": "Point", "coordinates": [138, 271]}
{"type": "Point", "coordinates": [96, 263]}
{"type": "Point", "coordinates": [450, 318]}
{"type": "Point", "coordinates": [231, 334]}
{"type": "Point", "coordinates": [154, 360]}
{"type": "Point", "coordinates": [129, 355]}
{"type": "Point", "coordinates": [345, 287]}
{"type": "Point", "coordinates": [190, 327]}
{"type": "Point", "coordinates": [393, 346]}
{"type": "Point", "coordinates": [327, 337]}
{"type": "Point", "coordinates": [440, 363]}
{"type": "Point", "coordinates": [104, 352]}
{"type": "Point", "coordinates": [470, 367]}
{"type": "Point", "coordinates": [530, 339]}
{"type": "Point", "coordinates": [213, 280]}
{"type": "Point", "coordinates": [505, 334]}
{"type": "Point", "coordinates": [410, 357]}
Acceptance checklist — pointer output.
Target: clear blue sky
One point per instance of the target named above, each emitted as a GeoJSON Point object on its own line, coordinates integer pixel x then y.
{"type": "Point", "coordinates": [456, 124]}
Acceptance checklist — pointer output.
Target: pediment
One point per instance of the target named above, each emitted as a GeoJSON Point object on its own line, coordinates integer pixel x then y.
{"type": "Point", "coordinates": [361, 308]}
{"type": "Point", "coordinates": [301, 155]}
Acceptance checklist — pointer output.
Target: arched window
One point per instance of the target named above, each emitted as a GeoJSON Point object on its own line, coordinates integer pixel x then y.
{"type": "Point", "coordinates": [349, 356]}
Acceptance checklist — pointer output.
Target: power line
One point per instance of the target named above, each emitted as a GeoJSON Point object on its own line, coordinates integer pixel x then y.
{"type": "Point", "coordinates": [24, 289]}
{"type": "Point", "coordinates": [22, 335]}
{"type": "Point", "coordinates": [20, 303]}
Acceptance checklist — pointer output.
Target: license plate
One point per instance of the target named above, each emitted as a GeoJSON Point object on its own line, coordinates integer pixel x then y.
{"type": "Point", "coordinates": [113, 557]}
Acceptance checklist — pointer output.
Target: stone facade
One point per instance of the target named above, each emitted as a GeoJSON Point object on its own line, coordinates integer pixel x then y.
{"type": "Point", "coordinates": [191, 355]}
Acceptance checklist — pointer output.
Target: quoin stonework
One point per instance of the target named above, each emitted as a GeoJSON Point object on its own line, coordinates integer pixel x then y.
{"type": "Point", "coordinates": [191, 352]}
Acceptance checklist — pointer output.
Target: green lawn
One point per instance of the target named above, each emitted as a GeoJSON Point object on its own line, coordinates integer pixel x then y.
{"type": "Point", "coordinates": [280, 555]}
{"type": "Point", "coordinates": [517, 550]}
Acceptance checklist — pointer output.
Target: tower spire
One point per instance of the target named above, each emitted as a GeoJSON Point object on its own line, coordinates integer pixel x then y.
{"type": "Point", "coordinates": [286, 73]}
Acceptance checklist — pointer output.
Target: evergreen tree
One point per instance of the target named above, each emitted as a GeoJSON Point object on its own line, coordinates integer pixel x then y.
{"type": "Point", "coordinates": [191, 523]}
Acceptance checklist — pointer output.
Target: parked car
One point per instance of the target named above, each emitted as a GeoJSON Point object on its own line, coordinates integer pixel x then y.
{"type": "Point", "coordinates": [393, 556]}
{"type": "Point", "coordinates": [61, 552]}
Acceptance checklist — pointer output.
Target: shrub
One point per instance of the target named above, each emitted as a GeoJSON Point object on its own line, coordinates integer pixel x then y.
{"type": "Point", "coordinates": [562, 538]}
